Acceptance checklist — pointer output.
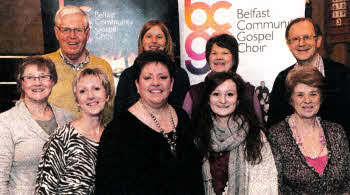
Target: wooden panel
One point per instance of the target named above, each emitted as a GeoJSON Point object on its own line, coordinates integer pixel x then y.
{"type": "Point", "coordinates": [338, 21]}
{"type": "Point", "coordinates": [21, 27]}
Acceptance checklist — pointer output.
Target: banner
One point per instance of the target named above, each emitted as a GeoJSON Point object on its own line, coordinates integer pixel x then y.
{"type": "Point", "coordinates": [259, 27]}
{"type": "Point", "coordinates": [115, 26]}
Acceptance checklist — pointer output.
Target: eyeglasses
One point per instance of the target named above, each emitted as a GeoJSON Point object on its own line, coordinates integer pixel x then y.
{"type": "Point", "coordinates": [67, 31]}
{"type": "Point", "coordinates": [43, 78]}
{"type": "Point", "coordinates": [305, 38]}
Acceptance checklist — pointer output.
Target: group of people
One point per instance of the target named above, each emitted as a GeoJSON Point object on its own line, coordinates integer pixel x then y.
{"type": "Point", "coordinates": [264, 99]}
{"type": "Point", "coordinates": [68, 134]}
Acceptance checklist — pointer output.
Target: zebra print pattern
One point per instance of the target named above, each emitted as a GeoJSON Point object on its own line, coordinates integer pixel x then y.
{"type": "Point", "coordinates": [67, 165]}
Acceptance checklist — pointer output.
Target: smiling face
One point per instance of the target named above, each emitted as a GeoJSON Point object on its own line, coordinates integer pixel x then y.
{"type": "Point", "coordinates": [36, 90]}
{"type": "Point", "coordinates": [220, 59]}
{"type": "Point", "coordinates": [306, 101]}
{"type": "Point", "coordinates": [154, 39]}
{"type": "Point", "coordinates": [154, 85]}
{"type": "Point", "coordinates": [72, 44]}
{"type": "Point", "coordinates": [223, 100]}
{"type": "Point", "coordinates": [91, 95]}
{"type": "Point", "coordinates": [303, 50]}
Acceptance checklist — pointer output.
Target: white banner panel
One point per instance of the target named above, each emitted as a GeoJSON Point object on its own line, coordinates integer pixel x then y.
{"type": "Point", "coordinates": [258, 26]}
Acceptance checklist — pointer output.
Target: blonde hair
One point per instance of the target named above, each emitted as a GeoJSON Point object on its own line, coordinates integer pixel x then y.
{"type": "Point", "coordinates": [95, 72]}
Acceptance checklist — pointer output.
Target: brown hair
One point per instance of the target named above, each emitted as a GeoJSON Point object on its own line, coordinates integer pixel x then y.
{"type": "Point", "coordinates": [169, 42]}
{"type": "Point", "coordinates": [307, 75]}
{"type": "Point", "coordinates": [203, 120]}
{"type": "Point", "coordinates": [41, 62]}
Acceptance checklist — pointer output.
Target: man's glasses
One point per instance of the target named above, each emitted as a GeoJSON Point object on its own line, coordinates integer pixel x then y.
{"type": "Point", "coordinates": [305, 38]}
{"type": "Point", "coordinates": [67, 31]}
{"type": "Point", "coordinates": [43, 78]}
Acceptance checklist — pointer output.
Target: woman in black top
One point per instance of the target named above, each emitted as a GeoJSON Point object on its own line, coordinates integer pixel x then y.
{"type": "Point", "coordinates": [149, 149]}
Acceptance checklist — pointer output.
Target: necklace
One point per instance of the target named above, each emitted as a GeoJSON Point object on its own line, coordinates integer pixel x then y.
{"type": "Point", "coordinates": [170, 139]}
{"type": "Point", "coordinates": [299, 141]}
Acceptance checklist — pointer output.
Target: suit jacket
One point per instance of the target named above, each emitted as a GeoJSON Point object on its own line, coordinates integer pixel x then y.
{"type": "Point", "coordinates": [21, 142]}
{"type": "Point", "coordinates": [336, 101]}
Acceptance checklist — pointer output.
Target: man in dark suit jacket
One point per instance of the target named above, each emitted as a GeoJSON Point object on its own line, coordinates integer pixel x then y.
{"type": "Point", "coordinates": [304, 39]}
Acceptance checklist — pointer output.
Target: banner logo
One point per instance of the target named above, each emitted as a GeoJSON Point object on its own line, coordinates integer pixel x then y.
{"type": "Point", "coordinates": [199, 31]}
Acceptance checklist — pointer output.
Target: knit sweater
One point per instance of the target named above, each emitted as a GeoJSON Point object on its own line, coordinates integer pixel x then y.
{"type": "Point", "coordinates": [62, 93]}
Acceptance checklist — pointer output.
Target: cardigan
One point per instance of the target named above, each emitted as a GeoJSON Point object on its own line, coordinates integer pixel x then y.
{"type": "Point", "coordinates": [62, 93]}
{"type": "Point", "coordinates": [21, 142]}
{"type": "Point", "coordinates": [336, 97]}
{"type": "Point", "coordinates": [295, 176]}
{"type": "Point", "coordinates": [262, 177]}
{"type": "Point", "coordinates": [135, 159]}
{"type": "Point", "coordinates": [127, 94]}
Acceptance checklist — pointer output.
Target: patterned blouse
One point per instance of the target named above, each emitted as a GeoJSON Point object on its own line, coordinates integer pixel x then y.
{"type": "Point", "coordinates": [67, 165]}
{"type": "Point", "coordinates": [296, 176]}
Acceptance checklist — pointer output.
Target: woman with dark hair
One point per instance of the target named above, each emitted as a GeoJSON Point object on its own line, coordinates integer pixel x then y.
{"type": "Point", "coordinates": [312, 155]}
{"type": "Point", "coordinates": [149, 149]}
{"type": "Point", "coordinates": [154, 36]}
{"type": "Point", "coordinates": [237, 157]}
{"type": "Point", "coordinates": [27, 126]}
{"type": "Point", "coordinates": [221, 53]}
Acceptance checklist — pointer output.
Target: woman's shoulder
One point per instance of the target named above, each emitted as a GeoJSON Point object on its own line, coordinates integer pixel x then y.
{"type": "Point", "coordinates": [130, 71]}
{"type": "Point", "coordinates": [125, 117]}
{"type": "Point", "coordinates": [196, 88]}
{"type": "Point", "coordinates": [122, 123]}
{"type": "Point", "coordinates": [180, 111]}
{"type": "Point", "coordinates": [63, 131]}
{"type": "Point", "coordinates": [62, 115]}
{"type": "Point", "coordinates": [180, 72]}
{"type": "Point", "coordinates": [278, 129]}
{"type": "Point", "coordinates": [181, 114]}
{"type": "Point", "coordinates": [263, 137]}
{"type": "Point", "coordinates": [59, 138]}
{"type": "Point", "coordinates": [17, 115]}
{"type": "Point", "coordinates": [332, 125]}
{"type": "Point", "coordinates": [199, 85]}
{"type": "Point", "coordinates": [333, 129]}
{"type": "Point", "coordinates": [4, 116]}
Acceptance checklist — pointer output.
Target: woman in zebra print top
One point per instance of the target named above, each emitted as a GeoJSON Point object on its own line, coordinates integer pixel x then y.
{"type": "Point", "coordinates": [67, 165]}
